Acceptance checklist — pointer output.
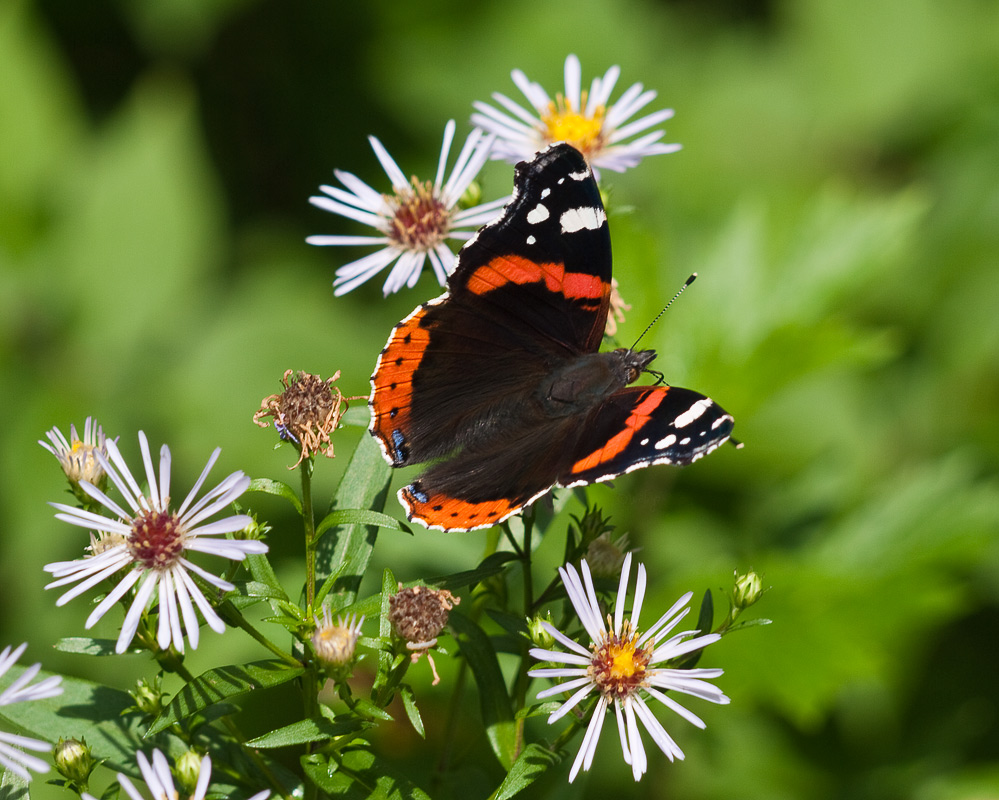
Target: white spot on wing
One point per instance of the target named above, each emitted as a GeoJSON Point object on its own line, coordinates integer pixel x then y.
{"type": "Point", "coordinates": [721, 421]}
{"type": "Point", "coordinates": [576, 219]}
{"type": "Point", "coordinates": [537, 214]}
{"type": "Point", "coordinates": [531, 240]}
{"type": "Point", "coordinates": [666, 441]}
{"type": "Point", "coordinates": [545, 192]}
{"type": "Point", "coordinates": [580, 176]}
{"type": "Point", "coordinates": [692, 413]}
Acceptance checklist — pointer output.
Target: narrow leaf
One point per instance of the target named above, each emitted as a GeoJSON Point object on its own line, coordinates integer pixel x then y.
{"type": "Point", "coordinates": [278, 489]}
{"type": "Point", "coordinates": [223, 683]}
{"type": "Point", "coordinates": [359, 516]}
{"type": "Point", "coordinates": [86, 646]}
{"type": "Point", "coordinates": [530, 765]}
{"type": "Point", "coordinates": [497, 714]}
{"type": "Point", "coordinates": [306, 731]}
{"type": "Point", "coordinates": [409, 703]}
{"type": "Point", "coordinates": [364, 486]}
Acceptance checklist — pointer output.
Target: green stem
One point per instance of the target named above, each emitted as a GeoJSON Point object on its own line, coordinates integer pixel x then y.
{"type": "Point", "coordinates": [310, 680]}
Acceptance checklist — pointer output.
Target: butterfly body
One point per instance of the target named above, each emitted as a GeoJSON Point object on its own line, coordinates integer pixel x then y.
{"type": "Point", "coordinates": [499, 381]}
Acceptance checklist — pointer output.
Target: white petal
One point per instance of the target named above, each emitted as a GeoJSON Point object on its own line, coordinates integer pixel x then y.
{"type": "Point", "coordinates": [396, 175]}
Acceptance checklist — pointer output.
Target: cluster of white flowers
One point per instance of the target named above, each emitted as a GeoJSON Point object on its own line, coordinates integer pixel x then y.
{"type": "Point", "coordinates": [416, 218]}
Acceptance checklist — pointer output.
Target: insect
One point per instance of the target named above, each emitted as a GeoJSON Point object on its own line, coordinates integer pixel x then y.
{"type": "Point", "coordinates": [499, 381]}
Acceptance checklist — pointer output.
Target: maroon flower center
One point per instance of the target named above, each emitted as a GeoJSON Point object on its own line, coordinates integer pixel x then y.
{"type": "Point", "coordinates": [421, 220]}
{"type": "Point", "coordinates": [157, 540]}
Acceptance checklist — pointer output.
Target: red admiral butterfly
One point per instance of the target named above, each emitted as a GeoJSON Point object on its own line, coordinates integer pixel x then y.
{"type": "Point", "coordinates": [499, 380]}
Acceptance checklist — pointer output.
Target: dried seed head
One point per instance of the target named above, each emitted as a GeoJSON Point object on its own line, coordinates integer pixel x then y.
{"type": "Point", "coordinates": [419, 614]}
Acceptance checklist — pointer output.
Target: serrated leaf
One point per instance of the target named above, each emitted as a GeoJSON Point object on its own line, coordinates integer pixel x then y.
{"type": "Point", "coordinates": [86, 646]}
{"type": "Point", "coordinates": [359, 775]}
{"type": "Point", "coordinates": [409, 703]}
{"type": "Point", "coordinates": [364, 486]}
{"type": "Point", "coordinates": [530, 765]}
{"type": "Point", "coordinates": [306, 731]}
{"type": "Point", "coordinates": [497, 713]}
{"type": "Point", "coordinates": [223, 683]}
{"type": "Point", "coordinates": [278, 489]}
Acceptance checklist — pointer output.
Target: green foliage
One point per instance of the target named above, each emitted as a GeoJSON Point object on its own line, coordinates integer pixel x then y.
{"type": "Point", "coordinates": [837, 194]}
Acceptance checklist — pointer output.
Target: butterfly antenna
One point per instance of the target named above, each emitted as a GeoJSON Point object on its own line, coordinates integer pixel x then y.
{"type": "Point", "coordinates": [687, 283]}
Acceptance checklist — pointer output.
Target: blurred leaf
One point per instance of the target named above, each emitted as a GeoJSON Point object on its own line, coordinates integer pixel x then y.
{"type": "Point", "coordinates": [530, 765]}
{"type": "Point", "coordinates": [359, 775]}
{"type": "Point", "coordinates": [223, 683]}
{"type": "Point", "coordinates": [497, 714]}
{"type": "Point", "coordinates": [87, 646]}
{"type": "Point", "coordinates": [359, 516]}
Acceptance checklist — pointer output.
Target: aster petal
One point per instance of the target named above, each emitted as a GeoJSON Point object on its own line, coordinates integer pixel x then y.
{"type": "Point", "coordinates": [168, 628]}
{"type": "Point", "coordinates": [112, 597]}
{"type": "Point", "coordinates": [159, 776]}
{"type": "Point", "coordinates": [584, 758]}
{"type": "Point", "coordinates": [395, 175]}
{"type": "Point", "coordinates": [204, 778]}
{"type": "Point", "coordinates": [622, 596]}
{"type": "Point", "coordinates": [130, 789]}
{"type": "Point", "coordinates": [561, 688]}
{"type": "Point", "coordinates": [190, 619]}
{"type": "Point", "coordinates": [217, 499]}
{"type": "Point", "coordinates": [343, 210]}
{"type": "Point", "coordinates": [112, 565]}
{"type": "Point", "coordinates": [131, 622]}
{"type": "Point", "coordinates": [213, 619]}
{"type": "Point", "coordinates": [164, 477]}
{"type": "Point", "coordinates": [408, 265]}
{"type": "Point", "coordinates": [199, 482]}
{"type": "Point", "coordinates": [147, 462]}
{"type": "Point", "coordinates": [529, 121]}
{"type": "Point", "coordinates": [121, 476]}
{"type": "Point", "coordinates": [677, 647]}
{"type": "Point", "coordinates": [214, 580]}
{"type": "Point", "coordinates": [17, 761]}
{"type": "Point", "coordinates": [9, 657]}
{"type": "Point", "coordinates": [592, 604]}
{"type": "Point", "coordinates": [674, 706]}
{"type": "Point", "coordinates": [573, 81]}
{"type": "Point", "coordinates": [639, 761]}
{"type": "Point", "coordinates": [627, 104]}
{"type": "Point", "coordinates": [233, 549]}
{"type": "Point", "coordinates": [471, 159]}
{"type": "Point", "coordinates": [571, 703]}
{"type": "Point", "coordinates": [436, 257]}
{"type": "Point", "coordinates": [658, 733]}
{"type": "Point", "coordinates": [601, 89]}
{"type": "Point", "coordinates": [449, 129]}
{"type": "Point", "coordinates": [639, 125]}
{"type": "Point", "coordinates": [90, 519]}
{"type": "Point", "coordinates": [364, 196]}
{"type": "Point", "coordinates": [348, 241]}
{"type": "Point", "coordinates": [658, 628]}
{"type": "Point", "coordinates": [477, 216]}
{"type": "Point", "coordinates": [534, 92]}
{"type": "Point", "coordinates": [352, 275]}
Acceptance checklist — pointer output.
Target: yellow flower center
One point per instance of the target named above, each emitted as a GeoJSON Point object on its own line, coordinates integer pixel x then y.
{"type": "Point", "coordinates": [618, 666]}
{"type": "Point", "coordinates": [563, 123]}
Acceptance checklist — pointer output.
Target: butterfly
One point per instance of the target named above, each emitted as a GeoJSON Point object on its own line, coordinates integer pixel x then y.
{"type": "Point", "coordinates": [499, 382]}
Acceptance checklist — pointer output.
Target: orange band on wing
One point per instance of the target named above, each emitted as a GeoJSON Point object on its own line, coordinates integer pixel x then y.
{"type": "Point", "coordinates": [638, 418]}
{"type": "Point", "coordinates": [392, 383]}
{"type": "Point", "coordinates": [519, 270]}
{"type": "Point", "coordinates": [450, 513]}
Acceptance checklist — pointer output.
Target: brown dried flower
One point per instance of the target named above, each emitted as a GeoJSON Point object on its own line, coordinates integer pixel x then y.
{"type": "Point", "coordinates": [418, 615]}
{"type": "Point", "coordinates": [305, 413]}
{"type": "Point", "coordinates": [617, 309]}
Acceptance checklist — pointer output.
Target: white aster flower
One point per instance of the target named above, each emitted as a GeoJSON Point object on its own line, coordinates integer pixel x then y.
{"type": "Point", "coordinates": [149, 539]}
{"type": "Point", "coordinates": [414, 221]}
{"type": "Point", "coordinates": [624, 667]}
{"type": "Point", "coordinates": [76, 454]}
{"type": "Point", "coordinates": [582, 118]}
{"type": "Point", "coordinates": [159, 780]}
{"type": "Point", "coordinates": [21, 690]}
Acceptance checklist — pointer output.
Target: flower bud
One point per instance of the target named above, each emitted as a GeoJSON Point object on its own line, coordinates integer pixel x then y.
{"type": "Point", "coordinates": [748, 589]}
{"type": "Point", "coordinates": [74, 761]}
{"type": "Point", "coordinates": [188, 769]}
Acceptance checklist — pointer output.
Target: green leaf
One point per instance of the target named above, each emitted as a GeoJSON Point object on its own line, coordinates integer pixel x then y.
{"type": "Point", "coordinates": [306, 731]}
{"type": "Point", "coordinates": [13, 786]}
{"type": "Point", "coordinates": [497, 714]}
{"type": "Point", "coordinates": [359, 516]}
{"type": "Point", "coordinates": [278, 489]}
{"type": "Point", "coordinates": [409, 702]}
{"type": "Point", "coordinates": [358, 775]}
{"type": "Point", "coordinates": [86, 646]}
{"type": "Point", "coordinates": [223, 683]}
{"type": "Point", "coordinates": [364, 486]}
{"type": "Point", "coordinates": [530, 765]}
{"type": "Point", "coordinates": [491, 565]}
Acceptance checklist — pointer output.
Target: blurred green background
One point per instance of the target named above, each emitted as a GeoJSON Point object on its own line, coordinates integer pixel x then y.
{"type": "Point", "coordinates": [838, 192]}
